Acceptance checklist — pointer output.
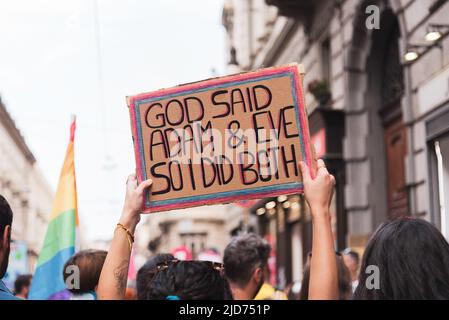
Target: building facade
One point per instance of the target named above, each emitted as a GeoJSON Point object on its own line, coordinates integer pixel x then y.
{"type": "Point", "coordinates": [383, 126]}
{"type": "Point", "coordinates": [22, 184]}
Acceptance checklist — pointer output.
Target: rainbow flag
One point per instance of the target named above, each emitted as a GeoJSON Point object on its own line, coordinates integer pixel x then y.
{"type": "Point", "coordinates": [60, 239]}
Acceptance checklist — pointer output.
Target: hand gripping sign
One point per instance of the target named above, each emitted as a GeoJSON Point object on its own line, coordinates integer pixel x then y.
{"type": "Point", "coordinates": [222, 140]}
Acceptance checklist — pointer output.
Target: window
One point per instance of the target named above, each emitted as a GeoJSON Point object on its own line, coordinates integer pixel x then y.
{"type": "Point", "coordinates": [438, 148]}
{"type": "Point", "coordinates": [441, 150]}
{"type": "Point", "coordinates": [326, 60]}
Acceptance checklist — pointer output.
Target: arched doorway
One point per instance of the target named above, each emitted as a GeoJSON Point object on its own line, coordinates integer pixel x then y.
{"type": "Point", "coordinates": [386, 88]}
{"type": "Point", "coordinates": [376, 138]}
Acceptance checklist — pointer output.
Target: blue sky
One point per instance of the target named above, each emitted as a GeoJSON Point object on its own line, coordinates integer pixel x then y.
{"type": "Point", "coordinates": [49, 70]}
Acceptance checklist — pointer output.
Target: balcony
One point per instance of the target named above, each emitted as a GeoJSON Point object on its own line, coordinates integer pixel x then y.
{"type": "Point", "coordinates": [299, 9]}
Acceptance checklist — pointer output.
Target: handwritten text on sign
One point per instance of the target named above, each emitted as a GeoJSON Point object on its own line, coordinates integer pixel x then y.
{"type": "Point", "coordinates": [221, 140]}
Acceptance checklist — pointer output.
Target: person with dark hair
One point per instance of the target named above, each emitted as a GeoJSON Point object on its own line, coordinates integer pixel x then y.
{"type": "Point", "coordinates": [412, 257]}
{"type": "Point", "coordinates": [267, 291]}
{"type": "Point", "coordinates": [245, 260]}
{"type": "Point", "coordinates": [147, 272]}
{"type": "Point", "coordinates": [22, 286]}
{"type": "Point", "coordinates": [344, 281]}
{"type": "Point", "coordinates": [189, 280]}
{"type": "Point", "coordinates": [174, 280]}
{"type": "Point", "coordinates": [405, 259]}
{"type": "Point", "coordinates": [89, 264]}
{"type": "Point", "coordinates": [5, 246]}
{"type": "Point", "coordinates": [352, 262]}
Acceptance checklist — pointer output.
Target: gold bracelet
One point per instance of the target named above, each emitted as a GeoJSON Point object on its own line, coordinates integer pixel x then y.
{"type": "Point", "coordinates": [130, 236]}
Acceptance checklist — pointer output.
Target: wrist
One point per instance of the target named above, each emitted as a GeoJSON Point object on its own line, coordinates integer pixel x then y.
{"type": "Point", "coordinates": [129, 220]}
{"type": "Point", "coordinates": [319, 212]}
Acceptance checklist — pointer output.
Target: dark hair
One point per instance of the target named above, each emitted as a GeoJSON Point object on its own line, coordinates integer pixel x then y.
{"type": "Point", "coordinates": [243, 255]}
{"type": "Point", "coordinates": [90, 263]}
{"type": "Point", "coordinates": [354, 255]}
{"type": "Point", "coordinates": [5, 214]}
{"type": "Point", "coordinates": [189, 280]}
{"type": "Point", "coordinates": [147, 272]}
{"type": "Point", "coordinates": [22, 281]}
{"type": "Point", "coordinates": [344, 281]}
{"type": "Point", "coordinates": [413, 261]}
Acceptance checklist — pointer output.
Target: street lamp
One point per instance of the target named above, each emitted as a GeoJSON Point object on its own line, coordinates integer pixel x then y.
{"type": "Point", "coordinates": [286, 204]}
{"type": "Point", "coordinates": [270, 205]}
{"type": "Point", "coordinates": [432, 36]}
{"type": "Point", "coordinates": [414, 51]}
{"type": "Point", "coordinates": [282, 198]}
{"type": "Point", "coordinates": [435, 32]}
{"type": "Point", "coordinates": [411, 55]}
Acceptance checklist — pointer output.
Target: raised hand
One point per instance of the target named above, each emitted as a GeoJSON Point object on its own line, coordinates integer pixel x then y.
{"type": "Point", "coordinates": [134, 199]}
{"type": "Point", "coordinates": [318, 192]}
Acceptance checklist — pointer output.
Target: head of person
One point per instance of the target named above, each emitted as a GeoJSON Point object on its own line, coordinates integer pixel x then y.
{"type": "Point", "coordinates": [352, 262]}
{"type": "Point", "coordinates": [22, 285]}
{"type": "Point", "coordinates": [5, 234]}
{"type": "Point", "coordinates": [188, 280]}
{"type": "Point", "coordinates": [344, 280]}
{"type": "Point", "coordinates": [405, 259]}
{"type": "Point", "coordinates": [89, 263]}
{"type": "Point", "coordinates": [245, 260]}
{"type": "Point", "coordinates": [147, 272]}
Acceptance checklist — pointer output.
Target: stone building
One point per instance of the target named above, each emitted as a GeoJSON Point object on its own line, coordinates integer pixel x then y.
{"type": "Point", "coordinates": [384, 127]}
{"type": "Point", "coordinates": [22, 184]}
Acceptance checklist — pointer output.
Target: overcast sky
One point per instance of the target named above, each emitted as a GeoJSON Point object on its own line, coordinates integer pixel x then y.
{"type": "Point", "coordinates": [49, 70]}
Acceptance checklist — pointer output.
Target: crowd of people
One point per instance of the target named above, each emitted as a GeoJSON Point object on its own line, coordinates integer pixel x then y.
{"type": "Point", "coordinates": [411, 255]}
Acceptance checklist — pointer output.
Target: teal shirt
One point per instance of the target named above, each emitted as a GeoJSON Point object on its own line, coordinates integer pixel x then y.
{"type": "Point", "coordinates": [5, 294]}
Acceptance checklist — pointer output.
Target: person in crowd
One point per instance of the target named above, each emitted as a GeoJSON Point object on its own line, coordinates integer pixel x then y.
{"type": "Point", "coordinates": [61, 295]}
{"type": "Point", "coordinates": [318, 192]}
{"type": "Point", "coordinates": [147, 272]}
{"type": "Point", "coordinates": [189, 280]}
{"type": "Point", "coordinates": [412, 257]}
{"type": "Point", "coordinates": [5, 245]}
{"type": "Point", "coordinates": [344, 280]}
{"type": "Point", "coordinates": [352, 262]}
{"type": "Point", "coordinates": [89, 264]}
{"type": "Point", "coordinates": [22, 286]}
{"type": "Point", "coordinates": [405, 259]}
{"type": "Point", "coordinates": [245, 260]}
{"type": "Point", "coordinates": [267, 291]}
{"type": "Point", "coordinates": [173, 280]}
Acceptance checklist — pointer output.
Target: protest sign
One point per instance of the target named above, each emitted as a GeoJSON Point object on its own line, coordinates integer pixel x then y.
{"type": "Point", "coordinates": [222, 140]}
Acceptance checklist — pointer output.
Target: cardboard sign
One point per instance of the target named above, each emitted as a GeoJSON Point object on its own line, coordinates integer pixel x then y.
{"type": "Point", "coordinates": [222, 140]}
